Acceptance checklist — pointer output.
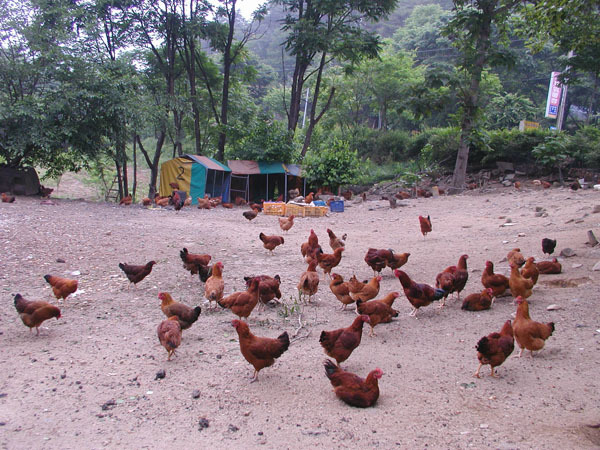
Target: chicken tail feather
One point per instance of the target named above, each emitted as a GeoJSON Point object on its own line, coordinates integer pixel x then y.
{"type": "Point", "coordinates": [330, 368]}
{"type": "Point", "coordinates": [483, 346]}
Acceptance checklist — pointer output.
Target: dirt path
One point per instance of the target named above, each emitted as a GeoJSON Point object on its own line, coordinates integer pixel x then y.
{"type": "Point", "coordinates": [88, 381]}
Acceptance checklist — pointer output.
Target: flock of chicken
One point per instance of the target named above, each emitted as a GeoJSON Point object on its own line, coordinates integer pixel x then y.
{"type": "Point", "coordinates": [338, 344]}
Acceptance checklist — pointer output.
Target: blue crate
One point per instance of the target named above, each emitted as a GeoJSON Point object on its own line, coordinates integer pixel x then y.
{"type": "Point", "coordinates": [336, 206]}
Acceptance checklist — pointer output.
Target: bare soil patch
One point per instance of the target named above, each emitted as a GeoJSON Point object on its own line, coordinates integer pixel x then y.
{"type": "Point", "coordinates": [89, 379]}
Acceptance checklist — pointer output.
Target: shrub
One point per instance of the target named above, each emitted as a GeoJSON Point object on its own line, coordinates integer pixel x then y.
{"type": "Point", "coordinates": [332, 166]}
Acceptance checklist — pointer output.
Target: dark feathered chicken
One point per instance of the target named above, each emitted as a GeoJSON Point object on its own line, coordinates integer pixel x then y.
{"type": "Point", "coordinates": [548, 245]}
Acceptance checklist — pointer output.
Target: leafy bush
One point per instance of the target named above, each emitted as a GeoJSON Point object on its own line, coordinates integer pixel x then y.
{"type": "Point", "coordinates": [585, 147]}
{"type": "Point", "coordinates": [332, 166]}
{"type": "Point", "coordinates": [268, 140]}
{"type": "Point", "coordinates": [512, 145]}
{"type": "Point", "coordinates": [553, 153]}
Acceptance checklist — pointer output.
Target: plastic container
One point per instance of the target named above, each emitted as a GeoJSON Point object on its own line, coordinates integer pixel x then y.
{"type": "Point", "coordinates": [274, 208]}
{"type": "Point", "coordinates": [336, 206]}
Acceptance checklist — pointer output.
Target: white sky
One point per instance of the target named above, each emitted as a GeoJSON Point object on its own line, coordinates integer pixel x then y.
{"type": "Point", "coordinates": [247, 7]}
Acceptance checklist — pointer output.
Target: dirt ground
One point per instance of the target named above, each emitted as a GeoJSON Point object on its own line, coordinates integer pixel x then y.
{"type": "Point", "coordinates": [89, 380]}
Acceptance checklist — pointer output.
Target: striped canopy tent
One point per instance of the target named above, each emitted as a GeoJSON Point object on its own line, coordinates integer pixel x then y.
{"type": "Point", "coordinates": [196, 175]}
{"type": "Point", "coordinates": [256, 180]}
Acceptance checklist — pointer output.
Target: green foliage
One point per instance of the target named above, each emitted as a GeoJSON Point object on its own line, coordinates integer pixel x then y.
{"type": "Point", "coordinates": [442, 145]}
{"type": "Point", "coordinates": [586, 144]}
{"type": "Point", "coordinates": [333, 166]}
{"type": "Point", "coordinates": [512, 145]}
{"type": "Point", "coordinates": [381, 146]}
{"type": "Point", "coordinates": [267, 140]}
{"type": "Point", "coordinates": [507, 110]}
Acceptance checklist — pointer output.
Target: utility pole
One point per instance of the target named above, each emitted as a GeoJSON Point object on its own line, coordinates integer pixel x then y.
{"type": "Point", "coordinates": [563, 100]}
{"type": "Point", "coordinates": [305, 107]}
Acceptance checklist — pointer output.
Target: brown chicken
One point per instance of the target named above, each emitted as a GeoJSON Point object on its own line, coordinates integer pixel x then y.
{"type": "Point", "coordinates": [242, 303]}
{"type": "Point", "coordinates": [250, 214]}
{"type": "Point", "coordinates": [378, 312]}
{"type": "Point", "coordinates": [369, 290]}
{"type": "Point", "coordinates": [355, 286]}
{"type": "Point", "coordinates": [45, 192]}
{"type": "Point", "coordinates": [529, 334]}
{"type": "Point", "coordinates": [425, 223]}
{"type": "Point", "coordinates": [162, 201]}
{"type": "Point", "coordinates": [341, 290]}
{"type": "Point", "coordinates": [61, 287]}
{"type": "Point", "coordinates": [271, 242]}
{"type": "Point", "coordinates": [530, 270]}
{"type": "Point", "coordinates": [213, 289]}
{"type": "Point", "coordinates": [418, 294]}
{"type": "Point", "coordinates": [377, 259]}
{"type": "Point", "coordinates": [339, 344]}
{"type": "Point", "coordinates": [334, 241]}
{"type": "Point", "coordinates": [285, 223]}
{"type": "Point", "coordinates": [352, 389]}
{"type": "Point", "coordinates": [519, 286]}
{"type": "Point", "coordinates": [398, 260]}
{"type": "Point", "coordinates": [389, 299]}
{"type": "Point", "coordinates": [127, 200]}
{"type": "Point", "coordinates": [227, 205]}
{"type": "Point", "coordinates": [328, 261]}
{"type": "Point", "coordinates": [239, 201]}
{"type": "Point", "coordinates": [33, 313]}
{"type": "Point", "coordinates": [196, 263]}
{"type": "Point", "coordinates": [178, 199]}
{"type": "Point", "coordinates": [203, 203]}
{"type": "Point", "coordinates": [497, 282]}
{"type": "Point", "coordinates": [515, 257]}
{"type": "Point", "coordinates": [453, 278]}
{"type": "Point", "coordinates": [169, 335]}
{"type": "Point", "coordinates": [268, 288]}
{"type": "Point", "coordinates": [308, 248]}
{"type": "Point", "coordinates": [261, 352]}
{"type": "Point", "coordinates": [494, 348]}
{"type": "Point", "coordinates": [309, 198]}
{"type": "Point", "coordinates": [479, 302]}
{"type": "Point", "coordinates": [309, 281]}
{"type": "Point", "coordinates": [7, 198]}
{"type": "Point", "coordinates": [146, 201]}
{"type": "Point", "coordinates": [186, 315]}
{"type": "Point", "coordinates": [135, 274]}
{"type": "Point", "coordinates": [549, 267]}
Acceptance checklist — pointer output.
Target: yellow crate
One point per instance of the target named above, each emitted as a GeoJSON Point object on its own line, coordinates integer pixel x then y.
{"type": "Point", "coordinates": [296, 210]}
{"type": "Point", "coordinates": [274, 208]}
{"type": "Point", "coordinates": [305, 211]}
{"type": "Point", "coordinates": [315, 211]}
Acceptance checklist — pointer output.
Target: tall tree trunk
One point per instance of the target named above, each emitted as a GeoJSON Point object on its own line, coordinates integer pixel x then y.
{"type": "Point", "coordinates": [119, 179]}
{"type": "Point", "coordinates": [153, 163]}
{"type": "Point", "coordinates": [134, 189]}
{"type": "Point", "coordinates": [313, 119]}
{"type": "Point", "coordinates": [227, 61]}
{"type": "Point", "coordinates": [471, 100]}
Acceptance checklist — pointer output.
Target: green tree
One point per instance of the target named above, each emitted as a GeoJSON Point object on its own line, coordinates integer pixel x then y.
{"type": "Point", "coordinates": [318, 33]}
{"type": "Point", "coordinates": [471, 30]}
{"type": "Point", "coordinates": [332, 166]}
{"type": "Point", "coordinates": [572, 26]}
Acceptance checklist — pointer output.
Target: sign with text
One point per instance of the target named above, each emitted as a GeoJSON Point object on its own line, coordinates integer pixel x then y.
{"type": "Point", "coordinates": [554, 91]}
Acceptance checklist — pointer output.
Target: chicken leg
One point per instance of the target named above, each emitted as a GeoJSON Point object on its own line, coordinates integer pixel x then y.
{"type": "Point", "coordinates": [255, 377]}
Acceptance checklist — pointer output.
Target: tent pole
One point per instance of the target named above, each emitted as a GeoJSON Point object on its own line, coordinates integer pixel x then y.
{"type": "Point", "coordinates": [214, 182]}
{"type": "Point", "coordinates": [267, 194]}
{"type": "Point", "coordinates": [248, 188]}
{"type": "Point", "coordinates": [285, 188]}
{"type": "Point", "coordinates": [304, 193]}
